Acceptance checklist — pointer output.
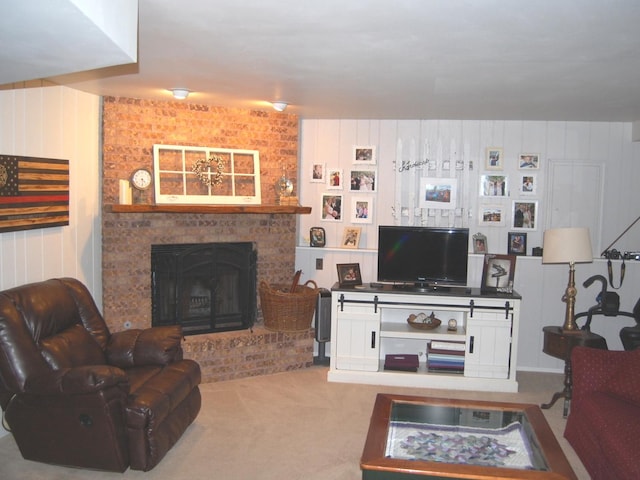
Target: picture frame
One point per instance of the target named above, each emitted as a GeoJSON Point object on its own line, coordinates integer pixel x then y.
{"type": "Point", "coordinates": [361, 209]}
{"type": "Point", "coordinates": [363, 180]}
{"type": "Point", "coordinates": [331, 207]}
{"type": "Point", "coordinates": [364, 155]}
{"type": "Point", "coordinates": [498, 272]}
{"type": "Point", "coordinates": [494, 158]}
{"type": "Point", "coordinates": [524, 215]}
{"type": "Point", "coordinates": [529, 161]}
{"type": "Point", "coordinates": [480, 243]}
{"type": "Point", "coordinates": [349, 274]}
{"type": "Point", "coordinates": [491, 215]}
{"type": "Point", "coordinates": [438, 193]}
{"type": "Point", "coordinates": [528, 184]}
{"type": "Point", "coordinates": [494, 185]}
{"type": "Point", "coordinates": [317, 237]}
{"type": "Point", "coordinates": [517, 243]}
{"type": "Point", "coordinates": [351, 237]}
{"type": "Point", "coordinates": [334, 179]}
{"type": "Point", "coordinates": [318, 172]}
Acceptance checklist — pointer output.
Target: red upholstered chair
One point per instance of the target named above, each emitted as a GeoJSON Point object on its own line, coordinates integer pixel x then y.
{"type": "Point", "coordinates": [75, 394]}
{"type": "Point", "coordinates": [603, 426]}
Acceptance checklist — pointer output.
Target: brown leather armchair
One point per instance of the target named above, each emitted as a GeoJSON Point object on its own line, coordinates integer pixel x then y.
{"type": "Point", "coordinates": [75, 394]}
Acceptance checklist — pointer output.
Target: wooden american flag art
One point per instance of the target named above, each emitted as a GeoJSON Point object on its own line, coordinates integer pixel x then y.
{"type": "Point", "coordinates": [34, 193]}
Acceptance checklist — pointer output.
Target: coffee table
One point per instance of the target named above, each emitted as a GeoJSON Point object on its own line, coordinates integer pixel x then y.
{"type": "Point", "coordinates": [447, 438]}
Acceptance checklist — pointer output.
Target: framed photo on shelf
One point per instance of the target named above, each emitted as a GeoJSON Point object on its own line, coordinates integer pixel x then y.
{"type": "Point", "coordinates": [364, 155]}
{"type": "Point", "coordinates": [351, 237]}
{"type": "Point", "coordinates": [480, 243]}
{"type": "Point", "coordinates": [334, 179]}
{"type": "Point", "coordinates": [349, 274]}
{"type": "Point", "coordinates": [361, 209]}
{"type": "Point", "coordinates": [528, 184]}
{"type": "Point", "coordinates": [525, 215]}
{"type": "Point", "coordinates": [438, 193]}
{"type": "Point", "coordinates": [318, 171]}
{"type": "Point", "coordinates": [363, 180]}
{"type": "Point", "coordinates": [317, 237]}
{"type": "Point", "coordinates": [493, 186]}
{"type": "Point", "coordinates": [498, 272]}
{"type": "Point", "coordinates": [331, 208]}
{"type": "Point", "coordinates": [517, 243]}
{"type": "Point", "coordinates": [529, 161]}
{"type": "Point", "coordinates": [491, 215]}
{"type": "Point", "coordinates": [494, 158]}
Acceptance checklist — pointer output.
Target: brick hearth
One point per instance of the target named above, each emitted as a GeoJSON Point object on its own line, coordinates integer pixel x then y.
{"type": "Point", "coordinates": [130, 129]}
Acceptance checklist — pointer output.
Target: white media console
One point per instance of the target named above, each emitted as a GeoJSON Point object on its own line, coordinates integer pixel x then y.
{"type": "Point", "coordinates": [368, 323]}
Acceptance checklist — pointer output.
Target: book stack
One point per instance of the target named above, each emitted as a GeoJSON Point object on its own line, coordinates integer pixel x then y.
{"type": "Point", "coordinates": [445, 356]}
{"type": "Point", "coordinates": [403, 363]}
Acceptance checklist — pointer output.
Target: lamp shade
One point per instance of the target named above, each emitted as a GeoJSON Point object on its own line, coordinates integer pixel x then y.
{"type": "Point", "coordinates": [567, 245]}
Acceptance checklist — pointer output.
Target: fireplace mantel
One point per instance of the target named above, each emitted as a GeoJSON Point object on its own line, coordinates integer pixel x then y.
{"type": "Point", "coordinates": [220, 209]}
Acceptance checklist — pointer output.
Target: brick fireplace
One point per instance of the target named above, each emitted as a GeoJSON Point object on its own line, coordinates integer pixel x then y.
{"type": "Point", "coordinates": [130, 129]}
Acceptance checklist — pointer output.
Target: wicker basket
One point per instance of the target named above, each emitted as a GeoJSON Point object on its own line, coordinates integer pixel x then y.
{"type": "Point", "coordinates": [284, 311]}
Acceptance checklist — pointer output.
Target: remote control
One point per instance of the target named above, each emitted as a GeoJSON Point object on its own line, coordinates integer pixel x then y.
{"type": "Point", "coordinates": [375, 285]}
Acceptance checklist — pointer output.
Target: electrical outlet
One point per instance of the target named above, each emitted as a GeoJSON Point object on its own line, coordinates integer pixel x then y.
{"type": "Point", "coordinates": [319, 264]}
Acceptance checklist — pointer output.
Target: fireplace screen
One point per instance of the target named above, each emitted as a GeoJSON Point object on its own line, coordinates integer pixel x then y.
{"type": "Point", "coordinates": [205, 287]}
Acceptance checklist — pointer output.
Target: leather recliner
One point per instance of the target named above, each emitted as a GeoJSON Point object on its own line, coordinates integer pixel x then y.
{"type": "Point", "coordinates": [75, 394]}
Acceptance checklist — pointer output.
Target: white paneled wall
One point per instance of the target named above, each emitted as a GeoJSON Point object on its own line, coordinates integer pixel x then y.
{"type": "Point", "coordinates": [456, 149]}
{"type": "Point", "coordinates": [56, 122]}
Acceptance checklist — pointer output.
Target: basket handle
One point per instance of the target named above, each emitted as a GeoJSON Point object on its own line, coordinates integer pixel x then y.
{"type": "Point", "coordinates": [315, 285]}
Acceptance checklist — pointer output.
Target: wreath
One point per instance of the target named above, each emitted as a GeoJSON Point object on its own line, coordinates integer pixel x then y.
{"type": "Point", "coordinates": [202, 169]}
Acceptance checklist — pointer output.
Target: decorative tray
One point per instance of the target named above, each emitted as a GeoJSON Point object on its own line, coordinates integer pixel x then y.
{"type": "Point", "coordinates": [424, 322]}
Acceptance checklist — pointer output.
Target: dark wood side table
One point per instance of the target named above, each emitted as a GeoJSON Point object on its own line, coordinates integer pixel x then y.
{"type": "Point", "coordinates": [559, 344]}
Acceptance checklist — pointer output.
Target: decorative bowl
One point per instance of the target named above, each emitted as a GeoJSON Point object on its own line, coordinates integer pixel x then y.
{"type": "Point", "coordinates": [424, 322]}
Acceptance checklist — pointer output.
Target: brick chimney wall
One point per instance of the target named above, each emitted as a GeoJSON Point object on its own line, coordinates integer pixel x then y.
{"type": "Point", "coordinates": [130, 129]}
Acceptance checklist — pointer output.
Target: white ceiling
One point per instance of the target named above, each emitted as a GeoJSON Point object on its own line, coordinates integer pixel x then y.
{"type": "Point", "coordinates": [399, 59]}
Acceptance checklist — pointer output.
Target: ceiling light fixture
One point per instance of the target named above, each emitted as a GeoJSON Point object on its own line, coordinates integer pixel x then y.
{"type": "Point", "coordinates": [180, 93]}
{"type": "Point", "coordinates": [279, 106]}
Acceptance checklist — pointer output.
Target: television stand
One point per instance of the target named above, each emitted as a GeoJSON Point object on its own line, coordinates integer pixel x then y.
{"type": "Point", "coordinates": [368, 324]}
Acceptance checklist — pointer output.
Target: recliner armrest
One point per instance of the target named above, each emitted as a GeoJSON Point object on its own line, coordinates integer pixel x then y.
{"type": "Point", "coordinates": [139, 347]}
{"type": "Point", "coordinates": [77, 380]}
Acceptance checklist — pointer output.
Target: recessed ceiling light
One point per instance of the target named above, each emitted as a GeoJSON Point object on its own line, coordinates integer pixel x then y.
{"type": "Point", "coordinates": [279, 106]}
{"type": "Point", "coordinates": [180, 93]}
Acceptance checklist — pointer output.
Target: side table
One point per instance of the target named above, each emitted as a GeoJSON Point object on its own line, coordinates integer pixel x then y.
{"type": "Point", "coordinates": [559, 344]}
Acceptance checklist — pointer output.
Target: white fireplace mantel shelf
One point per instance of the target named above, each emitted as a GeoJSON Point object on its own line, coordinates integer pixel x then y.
{"type": "Point", "coordinates": [220, 209]}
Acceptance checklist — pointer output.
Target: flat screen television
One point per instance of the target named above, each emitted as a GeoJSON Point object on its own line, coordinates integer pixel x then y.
{"type": "Point", "coordinates": [423, 257]}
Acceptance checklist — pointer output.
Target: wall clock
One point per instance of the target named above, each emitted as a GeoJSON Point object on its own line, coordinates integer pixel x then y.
{"type": "Point", "coordinates": [141, 179]}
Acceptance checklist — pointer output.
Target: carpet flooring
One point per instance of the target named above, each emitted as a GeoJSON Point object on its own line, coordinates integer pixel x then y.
{"type": "Point", "coordinates": [287, 426]}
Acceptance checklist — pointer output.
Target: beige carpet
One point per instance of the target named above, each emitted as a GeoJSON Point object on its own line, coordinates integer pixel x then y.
{"type": "Point", "coordinates": [288, 426]}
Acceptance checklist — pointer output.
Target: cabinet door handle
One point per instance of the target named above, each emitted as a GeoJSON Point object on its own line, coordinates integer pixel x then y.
{"type": "Point", "coordinates": [471, 341]}
{"type": "Point", "coordinates": [373, 339]}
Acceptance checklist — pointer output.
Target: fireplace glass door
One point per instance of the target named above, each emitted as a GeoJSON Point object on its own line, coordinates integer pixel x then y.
{"type": "Point", "coordinates": [208, 287]}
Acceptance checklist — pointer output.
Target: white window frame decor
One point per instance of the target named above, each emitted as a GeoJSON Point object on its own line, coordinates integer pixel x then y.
{"type": "Point", "coordinates": [215, 171]}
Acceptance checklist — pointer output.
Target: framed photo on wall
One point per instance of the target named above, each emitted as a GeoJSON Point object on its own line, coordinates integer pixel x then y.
{"type": "Point", "coordinates": [438, 193]}
{"type": "Point", "coordinates": [528, 184]}
{"type": "Point", "coordinates": [525, 215]}
{"type": "Point", "coordinates": [517, 243]}
{"type": "Point", "coordinates": [491, 215]}
{"type": "Point", "coordinates": [318, 171]}
{"type": "Point", "coordinates": [498, 272]}
{"type": "Point", "coordinates": [361, 209]}
{"type": "Point", "coordinates": [317, 237]}
{"type": "Point", "coordinates": [334, 179]}
{"type": "Point", "coordinates": [494, 158]}
{"type": "Point", "coordinates": [494, 186]}
{"type": "Point", "coordinates": [331, 208]}
{"type": "Point", "coordinates": [364, 155]}
{"type": "Point", "coordinates": [529, 161]}
{"type": "Point", "coordinates": [351, 237]}
{"type": "Point", "coordinates": [349, 274]}
{"type": "Point", "coordinates": [362, 180]}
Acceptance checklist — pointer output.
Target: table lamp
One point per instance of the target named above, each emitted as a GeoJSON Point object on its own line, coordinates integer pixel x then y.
{"type": "Point", "coordinates": [568, 245]}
